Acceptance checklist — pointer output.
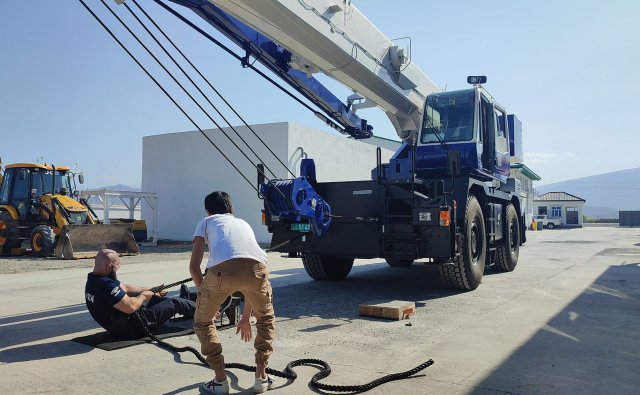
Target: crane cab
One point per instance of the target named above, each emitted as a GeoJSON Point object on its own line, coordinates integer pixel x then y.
{"type": "Point", "coordinates": [469, 122]}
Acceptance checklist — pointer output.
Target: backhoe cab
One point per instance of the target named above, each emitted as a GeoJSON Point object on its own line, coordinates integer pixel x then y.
{"type": "Point", "coordinates": [39, 207]}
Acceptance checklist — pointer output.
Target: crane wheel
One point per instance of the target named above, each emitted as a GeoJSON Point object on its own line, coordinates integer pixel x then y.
{"type": "Point", "coordinates": [466, 271]}
{"type": "Point", "coordinates": [326, 267]}
{"type": "Point", "coordinates": [43, 241]}
{"type": "Point", "coordinates": [399, 262]}
{"type": "Point", "coordinates": [507, 253]}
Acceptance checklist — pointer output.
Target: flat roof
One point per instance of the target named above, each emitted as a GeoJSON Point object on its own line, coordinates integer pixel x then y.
{"type": "Point", "coordinates": [526, 171]}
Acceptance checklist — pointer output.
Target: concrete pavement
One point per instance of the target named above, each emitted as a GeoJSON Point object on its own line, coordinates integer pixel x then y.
{"type": "Point", "coordinates": [564, 322]}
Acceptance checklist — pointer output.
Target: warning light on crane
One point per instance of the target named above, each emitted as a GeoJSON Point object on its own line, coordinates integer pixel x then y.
{"type": "Point", "coordinates": [477, 79]}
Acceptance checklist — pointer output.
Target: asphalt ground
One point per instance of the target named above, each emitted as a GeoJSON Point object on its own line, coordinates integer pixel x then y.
{"type": "Point", "coordinates": [566, 321]}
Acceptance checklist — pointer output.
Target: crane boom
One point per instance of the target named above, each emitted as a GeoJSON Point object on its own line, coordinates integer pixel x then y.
{"type": "Point", "coordinates": [335, 38]}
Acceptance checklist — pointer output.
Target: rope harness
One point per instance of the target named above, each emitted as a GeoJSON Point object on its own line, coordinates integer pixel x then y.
{"type": "Point", "coordinates": [288, 373]}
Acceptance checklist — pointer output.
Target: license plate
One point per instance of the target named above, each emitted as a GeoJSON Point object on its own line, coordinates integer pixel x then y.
{"type": "Point", "coordinates": [301, 227]}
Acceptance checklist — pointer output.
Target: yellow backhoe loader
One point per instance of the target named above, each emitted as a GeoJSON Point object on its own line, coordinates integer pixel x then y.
{"type": "Point", "coordinates": [39, 206]}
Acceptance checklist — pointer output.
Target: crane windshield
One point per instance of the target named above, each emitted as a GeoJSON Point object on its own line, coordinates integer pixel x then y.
{"type": "Point", "coordinates": [448, 117]}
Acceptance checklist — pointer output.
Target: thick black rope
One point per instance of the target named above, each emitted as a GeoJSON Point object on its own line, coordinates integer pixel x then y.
{"type": "Point", "coordinates": [284, 242]}
{"type": "Point", "coordinates": [182, 86]}
{"type": "Point", "coordinates": [186, 280]}
{"type": "Point", "coordinates": [144, 26]}
{"type": "Point", "coordinates": [167, 94]}
{"type": "Point", "coordinates": [213, 88]}
{"type": "Point", "coordinates": [288, 372]}
{"type": "Point", "coordinates": [318, 114]}
{"type": "Point", "coordinates": [163, 287]}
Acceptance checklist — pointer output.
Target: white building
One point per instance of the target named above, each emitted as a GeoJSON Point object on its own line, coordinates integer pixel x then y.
{"type": "Point", "coordinates": [182, 168]}
{"type": "Point", "coordinates": [561, 205]}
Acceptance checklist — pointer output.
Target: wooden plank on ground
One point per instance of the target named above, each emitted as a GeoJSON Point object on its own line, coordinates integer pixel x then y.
{"type": "Point", "coordinates": [394, 309]}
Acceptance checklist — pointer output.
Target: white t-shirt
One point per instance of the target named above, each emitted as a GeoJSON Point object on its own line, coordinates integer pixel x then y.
{"type": "Point", "coordinates": [229, 237]}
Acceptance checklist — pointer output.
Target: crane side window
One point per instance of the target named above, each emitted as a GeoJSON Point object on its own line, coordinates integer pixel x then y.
{"type": "Point", "coordinates": [502, 143]}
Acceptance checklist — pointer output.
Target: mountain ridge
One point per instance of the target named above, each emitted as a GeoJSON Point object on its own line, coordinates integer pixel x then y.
{"type": "Point", "coordinates": [606, 194]}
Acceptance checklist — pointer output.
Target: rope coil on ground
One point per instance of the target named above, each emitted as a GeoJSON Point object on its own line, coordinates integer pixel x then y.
{"type": "Point", "coordinates": [290, 374]}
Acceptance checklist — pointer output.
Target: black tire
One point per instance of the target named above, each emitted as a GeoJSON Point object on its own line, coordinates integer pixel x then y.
{"type": "Point", "coordinates": [8, 233]}
{"type": "Point", "coordinates": [326, 267]}
{"type": "Point", "coordinates": [43, 241]}
{"type": "Point", "coordinates": [550, 225]}
{"type": "Point", "coordinates": [507, 253]}
{"type": "Point", "coordinates": [465, 272]}
{"type": "Point", "coordinates": [399, 262]}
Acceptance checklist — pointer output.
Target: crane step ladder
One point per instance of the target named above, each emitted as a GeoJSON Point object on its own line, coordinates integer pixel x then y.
{"type": "Point", "coordinates": [491, 224]}
{"type": "Point", "coordinates": [399, 239]}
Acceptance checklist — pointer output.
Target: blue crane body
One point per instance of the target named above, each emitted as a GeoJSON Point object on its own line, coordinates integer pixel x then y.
{"type": "Point", "coordinates": [446, 194]}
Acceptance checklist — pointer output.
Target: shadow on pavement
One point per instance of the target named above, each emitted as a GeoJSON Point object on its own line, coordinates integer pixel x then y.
{"type": "Point", "coordinates": [46, 324]}
{"type": "Point", "coordinates": [34, 315]}
{"type": "Point", "coordinates": [326, 299]}
{"type": "Point", "coordinates": [592, 346]}
{"type": "Point", "coordinates": [39, 352]}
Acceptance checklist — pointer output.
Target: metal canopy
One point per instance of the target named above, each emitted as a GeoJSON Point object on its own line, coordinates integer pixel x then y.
{"type": "Point", "coordinates": [104, 199]}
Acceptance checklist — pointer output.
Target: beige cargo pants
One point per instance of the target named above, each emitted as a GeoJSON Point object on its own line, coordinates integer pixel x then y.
{"type": "Point", "coordinates": [252, 279]}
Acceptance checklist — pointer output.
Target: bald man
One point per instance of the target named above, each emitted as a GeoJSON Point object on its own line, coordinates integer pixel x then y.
{"type": "Point", "coordinates": [114, 305]}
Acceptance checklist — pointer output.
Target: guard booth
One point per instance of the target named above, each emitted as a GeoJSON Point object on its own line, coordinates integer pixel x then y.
{"type": "Point", "coordinates": [629, 218]}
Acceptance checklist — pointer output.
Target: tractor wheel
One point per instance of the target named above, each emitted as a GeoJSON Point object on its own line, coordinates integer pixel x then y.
{"type": "Point", "coordinates": [507, 253]}
{"type": "Point", "coordinates": [43, 241]}
{"type": "Point", "coordinates": [326, 267]}
{"type": "Point", "coordinates": [465, 272]}
{"type": "Point", "coordinates": [399, 262]}
{"type": "Point", "coordinates": [8, 233]}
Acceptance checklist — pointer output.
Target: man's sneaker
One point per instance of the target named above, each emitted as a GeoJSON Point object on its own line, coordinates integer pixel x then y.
{"type": "Point", "coordinates": [262, 385]}
{"type": "Point", "coordinates": [184, 291]}
{"type": "Point", "coordinates": [214, 387]}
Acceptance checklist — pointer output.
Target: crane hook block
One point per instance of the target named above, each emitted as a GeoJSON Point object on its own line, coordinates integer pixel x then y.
{"type": "Point", "coordinates": [296, 200]}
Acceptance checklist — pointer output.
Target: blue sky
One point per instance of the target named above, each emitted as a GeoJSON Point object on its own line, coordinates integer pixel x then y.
{"type": "Point", "coordinates": [567, 69]}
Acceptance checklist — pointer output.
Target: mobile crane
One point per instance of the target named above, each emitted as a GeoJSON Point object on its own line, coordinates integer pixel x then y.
{"type": "Point", "coordinates": [446, 194]}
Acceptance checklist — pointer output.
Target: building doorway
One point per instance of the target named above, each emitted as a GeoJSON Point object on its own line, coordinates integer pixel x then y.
{"type": "Point", "coordinates": [572, 216]}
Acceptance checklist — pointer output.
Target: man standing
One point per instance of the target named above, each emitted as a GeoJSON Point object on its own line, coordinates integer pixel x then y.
{"type": "Point", "coordinates": [236, 263]}
{"type": "Point", "coordinates": [114, 305]}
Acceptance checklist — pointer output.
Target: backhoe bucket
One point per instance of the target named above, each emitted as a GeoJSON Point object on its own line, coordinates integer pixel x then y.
{"type": "Point", "coordinates": [84, 241]}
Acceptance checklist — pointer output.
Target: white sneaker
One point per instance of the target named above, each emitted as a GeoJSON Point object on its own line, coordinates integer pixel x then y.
{"type": "Point", "coordinates": [214, 387]}
{"type": "Point", "coordinates": [262, 385]}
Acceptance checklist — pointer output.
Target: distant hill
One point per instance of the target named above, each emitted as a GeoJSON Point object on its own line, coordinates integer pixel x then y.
{"type": "Point", "coordinates": [605, 194]}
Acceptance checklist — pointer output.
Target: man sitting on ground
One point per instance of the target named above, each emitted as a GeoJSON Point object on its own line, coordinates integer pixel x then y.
{"type": "Point", "coordinates": [119, 308]}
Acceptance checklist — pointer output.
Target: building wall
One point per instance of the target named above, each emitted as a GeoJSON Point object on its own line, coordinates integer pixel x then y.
{"type": "Point", "coordinates": [563, 204]}
{"type": "Point", "coordinates": [182, 168]}
{"type": "Point", "coordinates": [526, 194]}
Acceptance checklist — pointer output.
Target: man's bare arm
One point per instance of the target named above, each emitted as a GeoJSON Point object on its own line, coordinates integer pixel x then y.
{"type": "Point", "coordinates": [133, 290]}
{"type": "Point", "coordinates": [197, 253]}
{"type": "Point", "coordinates": [129, 304]}
{"type": "Point", "coordinates": [244, 325]}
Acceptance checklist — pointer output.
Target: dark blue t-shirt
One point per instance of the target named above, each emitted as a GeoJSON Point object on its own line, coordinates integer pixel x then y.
{"type": "Point", "coordinates": [101, 293]}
